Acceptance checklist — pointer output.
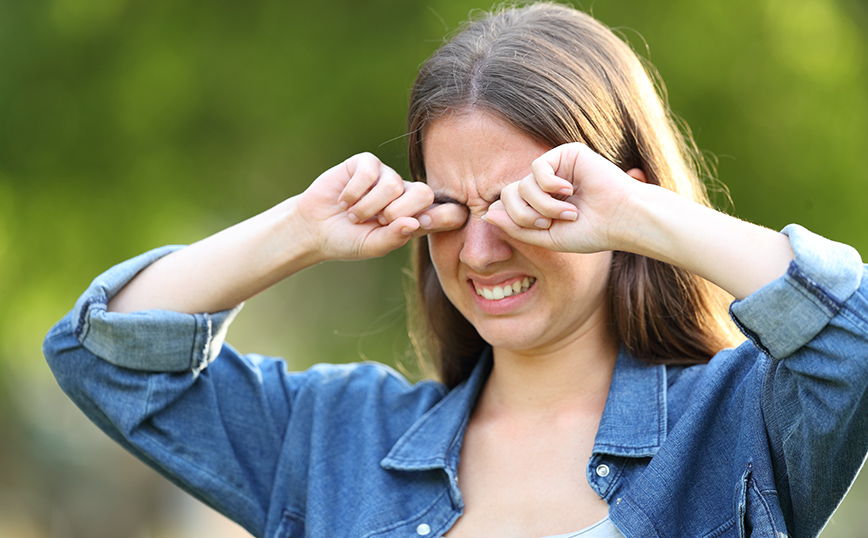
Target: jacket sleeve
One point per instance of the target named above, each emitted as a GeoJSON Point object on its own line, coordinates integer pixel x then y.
{"type": "Point", "coordinates": [813, 323]}
{"type": "Point", "coordinates": [150, 381]}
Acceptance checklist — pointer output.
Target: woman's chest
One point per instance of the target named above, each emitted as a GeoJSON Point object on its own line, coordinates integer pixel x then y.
{"type": "Point", "coordinates": [526, 484]}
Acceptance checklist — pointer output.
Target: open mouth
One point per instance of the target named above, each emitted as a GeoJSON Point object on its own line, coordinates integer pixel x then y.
{"type": "Point", "coordinates": [496, 293]}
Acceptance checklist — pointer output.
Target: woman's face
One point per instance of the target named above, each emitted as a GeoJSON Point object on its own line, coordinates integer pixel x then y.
{"type": "Point", "coordinates": [518, 296]}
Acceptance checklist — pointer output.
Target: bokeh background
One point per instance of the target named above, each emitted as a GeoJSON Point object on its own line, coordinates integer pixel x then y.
{"type": "Point", "coordinates": [128, 124]}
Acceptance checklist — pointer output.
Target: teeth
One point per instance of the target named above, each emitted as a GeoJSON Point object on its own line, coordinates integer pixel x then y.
{"type": "Point", "coordinates": [499, 292]}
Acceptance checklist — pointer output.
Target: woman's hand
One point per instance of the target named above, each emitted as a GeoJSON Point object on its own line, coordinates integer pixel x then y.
{"type": "Point", "coordinates": [361, 208]}
{"type": "Point", "coordinates": [574, 200]}
{"type": "Point", "coordinates": [358, 209]}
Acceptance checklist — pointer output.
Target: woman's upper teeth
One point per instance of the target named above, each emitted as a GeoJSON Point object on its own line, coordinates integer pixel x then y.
{"type": "Point", "coordinates": [495, 293]}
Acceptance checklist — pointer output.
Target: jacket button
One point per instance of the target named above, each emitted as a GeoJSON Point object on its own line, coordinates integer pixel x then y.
{"type": "Point", "coordinates": [602, 470]}
{"type": "Point", "coordinates": [423, 529]}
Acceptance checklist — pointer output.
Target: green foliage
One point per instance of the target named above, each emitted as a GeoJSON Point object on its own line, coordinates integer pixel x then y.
{"type": "Point", "coordinates": [125, 125]}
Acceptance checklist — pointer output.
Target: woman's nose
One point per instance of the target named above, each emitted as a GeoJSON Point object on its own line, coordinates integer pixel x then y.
{"type": "Point", "coordinates": [484, 244]}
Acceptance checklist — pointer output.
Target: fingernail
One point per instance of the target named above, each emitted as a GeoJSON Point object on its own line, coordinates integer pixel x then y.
{"type": "Point", "coordinates": [382, 220]}
{"type": "Point", "coordinates": [343, 205]}
{"type": "Point", "coordinates": [406, 230]}
{"type": "Point", "coordinates": [352, 218]}
{"type": "Point", "coordinates": [425, 221]}
{"type": "Point", "coordinates": [566, 192]}
{"type": "Point", "coordinates": [542, 223]}
{"type": "Point", "coordinates": [568, 215]}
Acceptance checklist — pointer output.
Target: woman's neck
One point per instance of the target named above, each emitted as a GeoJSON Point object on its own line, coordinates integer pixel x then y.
{"type": "Point", "coordinates": [572, 375]}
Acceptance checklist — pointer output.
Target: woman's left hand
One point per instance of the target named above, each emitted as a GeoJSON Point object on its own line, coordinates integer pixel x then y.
{"type": "Point", "coordinates": [574, 200]}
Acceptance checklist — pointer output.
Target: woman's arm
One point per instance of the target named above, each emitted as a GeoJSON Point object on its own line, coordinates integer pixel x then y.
{"type": "Point", "coordinates": [359, 209]}
{"type": "Point", "coordinates": [592, 206]}
{"type": "Point", "coordinates": [811, 324]}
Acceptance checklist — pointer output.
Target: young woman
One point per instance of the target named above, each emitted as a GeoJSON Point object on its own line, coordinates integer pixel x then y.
{"type": "Point", "coordinates": [569, 275]}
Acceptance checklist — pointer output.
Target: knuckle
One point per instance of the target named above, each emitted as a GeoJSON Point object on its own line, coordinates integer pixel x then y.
{"type": "Point", "coordinates": [393, 186]}
{"type": "Point", "coordinates": [422, 193]}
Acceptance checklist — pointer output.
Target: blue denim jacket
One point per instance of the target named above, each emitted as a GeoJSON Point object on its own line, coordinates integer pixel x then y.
{"type": "Point", "coordinates": [763, 441]}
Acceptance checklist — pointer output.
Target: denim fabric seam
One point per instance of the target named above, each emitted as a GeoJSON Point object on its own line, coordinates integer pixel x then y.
{"type": "Point", "coordinates": [194, 343]}
{"type": "Point", "coordinates": [611, 480]}
{"type": "Point", "coordinates": [853, 317]}
{"type": "Point", "coordinates": [633, 451]}
{"type": "Point", "coordinates": [636, 509]}
{"type": "Point", "coordinates": [807, 283]}
{"type": "Point", "coordinates": [662, 398]}
{"type": "Point", "coordinates": [83, 327]}
{"type": "Point", "coordinates": [767, 510]}
{"type": "Point", "coordinates": [751, 335]}
{"type": "Point", "coordinates": [287, 514]}
{"type": "Point", "coordinates": [199, 352]}
{"type": "Point", "coordinates": [813, 293]}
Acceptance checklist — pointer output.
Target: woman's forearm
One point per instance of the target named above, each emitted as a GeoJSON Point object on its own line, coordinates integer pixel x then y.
{"type": "Point", "coordinates": [358, 209]}
{"type": "Point", "coordinates": [225, 269]}
{"type": "Point", "coordinates": [738, 256]}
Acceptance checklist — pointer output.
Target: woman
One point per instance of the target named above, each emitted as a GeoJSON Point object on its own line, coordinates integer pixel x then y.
{"type": "Point", "coordinates": [564, 253]}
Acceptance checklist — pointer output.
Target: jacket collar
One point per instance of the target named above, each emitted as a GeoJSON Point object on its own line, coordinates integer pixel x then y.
{"type": "Point", "coordinates": [434, 440]}
{"type": "Point", "coordinates": [633, 424]}
{"type": "Point", "coordinates": [634, 421]}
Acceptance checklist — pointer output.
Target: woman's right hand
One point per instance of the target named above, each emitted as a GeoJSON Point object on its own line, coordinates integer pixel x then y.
{"type": "Point", "coordinates": [359, 209]}
{"type": "Point", "coordinates": [362, 208]}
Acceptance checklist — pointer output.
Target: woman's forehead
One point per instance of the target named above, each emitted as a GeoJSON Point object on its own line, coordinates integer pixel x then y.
{"type": "Point", "coordinates": [475, 155]}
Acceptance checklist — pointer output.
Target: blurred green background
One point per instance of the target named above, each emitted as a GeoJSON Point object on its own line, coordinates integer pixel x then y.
{"type": "Point", "coordinates": [128, 124]}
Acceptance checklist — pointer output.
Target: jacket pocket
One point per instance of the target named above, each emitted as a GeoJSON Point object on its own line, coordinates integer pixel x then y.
{"type": "Point", "coordinates": [758, 511]}
{"type": "Point", "coordinates": [291, 526]}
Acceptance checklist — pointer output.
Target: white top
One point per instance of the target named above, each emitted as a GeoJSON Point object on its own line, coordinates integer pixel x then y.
{"type": "Point", "coordinates": [601, 529]}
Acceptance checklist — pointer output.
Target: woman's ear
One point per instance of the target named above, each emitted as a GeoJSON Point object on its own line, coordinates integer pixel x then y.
{"type": "Point", "coordinates": [638, 174]}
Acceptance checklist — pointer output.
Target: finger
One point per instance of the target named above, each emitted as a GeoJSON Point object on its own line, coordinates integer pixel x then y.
{"type": "Point", "coordinates": [561, 164]}
{"type": "Point", "coordinates": [498, 216]}
{"type": "Point", "coordinates": [442, 218]}
{"type": "Point", "coordinates": [363, 170]}
{"type": "Point", "coordinates": [543, 171]}
{"type": "Point", "coordinates": [416, 197]}
{"type": "Point", "coordinates": [384, 239]}
{"type": "Point", "coordinates": [543, 202]}
{"type": "Point", "coordinates": [387, 188]}
{"type": "Point", "coordinates": [519, 210]}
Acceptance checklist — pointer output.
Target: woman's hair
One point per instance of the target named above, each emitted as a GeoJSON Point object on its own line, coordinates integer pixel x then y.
{"type": "Point", "coordinates": [560, 76]}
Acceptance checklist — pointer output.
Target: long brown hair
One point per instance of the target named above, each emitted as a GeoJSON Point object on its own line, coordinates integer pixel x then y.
{"type": "Point", "coordinates": [560, 76]}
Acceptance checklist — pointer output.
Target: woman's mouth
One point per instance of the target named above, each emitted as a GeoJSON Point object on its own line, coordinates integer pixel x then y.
{"type": "Point", "coordinates": [506, 289]}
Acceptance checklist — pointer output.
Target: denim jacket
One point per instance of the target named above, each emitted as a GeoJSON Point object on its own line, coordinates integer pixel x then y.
{"type": "Point", "coordinates": [762, 441]}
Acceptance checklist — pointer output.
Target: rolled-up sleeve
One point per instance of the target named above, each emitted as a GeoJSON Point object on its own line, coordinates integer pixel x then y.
{"type": "Point", "coordinates": [813, 324]}
{"type": "Point", "coordinates": [157, 383]}
{"type": "Point", "coordinates": [149, 340]}
{"type": "Point", "coordinates": [788, 312]}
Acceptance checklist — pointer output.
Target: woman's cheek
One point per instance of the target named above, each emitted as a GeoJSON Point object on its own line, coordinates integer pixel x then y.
{"type": "Point", "coordinates": [444, 248]}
